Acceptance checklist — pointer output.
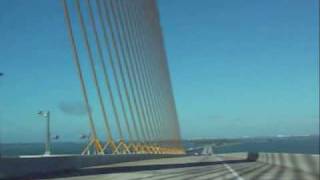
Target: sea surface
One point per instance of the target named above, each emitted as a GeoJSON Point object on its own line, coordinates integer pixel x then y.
{"type": "Point", "coordinates": [303, 145]}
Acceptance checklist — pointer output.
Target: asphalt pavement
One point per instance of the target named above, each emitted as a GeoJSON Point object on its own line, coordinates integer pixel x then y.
{"type": "Point", "coordinates": [205, 166]}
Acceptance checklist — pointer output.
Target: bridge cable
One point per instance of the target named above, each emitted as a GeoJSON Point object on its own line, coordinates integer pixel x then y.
{"type": "Point", "coordinates": [146, 130]}
{"type": "Point", "coordinates": [110, 142]}
{"type": "Point", "coordinates": [126, 59]}
{"type": "Point", "coordinates": [139, 72]}
{"type": "Point", "coordinates": [146, 84]}
{"type": "Point", "coordinates": [92, 64]}
{"type": "Point", "coordinates": [155, 46]}
{"type": "Point", "coordinates": [169, 84]}
{"type": "Point", "coordinates": [132, 64]}
{"type": "Point", "coordinates": [102, 8]}
{"type": "Point", "coordinates": [150, 57]}
{"type": "Point", "coordinates": [150, 75]}
{"type": "Point", "coordinates": [94, 140]}
{"type": "Point", "coordinates": [147, 105]}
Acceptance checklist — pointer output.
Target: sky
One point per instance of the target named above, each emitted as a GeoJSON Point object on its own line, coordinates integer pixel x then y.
{"type": "Point", "coordinates": [238, 69]}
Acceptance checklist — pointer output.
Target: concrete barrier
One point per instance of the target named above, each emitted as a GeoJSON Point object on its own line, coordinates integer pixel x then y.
{"type": "Point", "coordinates": [302, 162]}
{"type": "Point", "coordinates": [15, 167]}
{"type": "Point", "coordinates": [234, 156]}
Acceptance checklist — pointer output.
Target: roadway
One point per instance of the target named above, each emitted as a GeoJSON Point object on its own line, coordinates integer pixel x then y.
{"type": "Point", "coordinates": [205, 166]}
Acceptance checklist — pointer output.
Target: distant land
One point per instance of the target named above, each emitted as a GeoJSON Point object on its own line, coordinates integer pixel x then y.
{"type": "Point", "coordinates": [308, 144]}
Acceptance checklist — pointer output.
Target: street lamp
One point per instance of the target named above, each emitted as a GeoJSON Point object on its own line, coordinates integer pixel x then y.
{"type": "Point", "coordinates": [1, 74]}
{"type": "Point", "coordinates": [46, 114]}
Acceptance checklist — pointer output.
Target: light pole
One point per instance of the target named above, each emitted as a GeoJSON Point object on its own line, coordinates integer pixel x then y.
{"type": "Point", "coordinates": [46, 114]}
{"type": "Point", "coordinates": [1, 74]}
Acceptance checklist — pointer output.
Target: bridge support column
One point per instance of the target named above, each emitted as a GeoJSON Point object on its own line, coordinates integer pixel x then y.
{"type": "Point", "coordinates": [122, 148]}
{"type": "Point", "coordinates": [93, 143]}
{"type": "Point", "coordinates": [110, 143]}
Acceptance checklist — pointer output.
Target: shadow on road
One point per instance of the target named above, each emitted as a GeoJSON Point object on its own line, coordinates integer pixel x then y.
{"type": "Point", "coordinates": [124, 169]}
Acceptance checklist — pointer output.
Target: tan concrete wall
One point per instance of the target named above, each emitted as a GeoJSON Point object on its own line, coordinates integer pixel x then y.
{"type": "Point", "coordinates": [234, 156]}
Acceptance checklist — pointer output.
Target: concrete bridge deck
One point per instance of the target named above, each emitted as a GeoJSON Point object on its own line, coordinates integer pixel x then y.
{"type": "Point", "coordinates": [192, 167]}
{"type": "Point", "coordinates": [239, 166]}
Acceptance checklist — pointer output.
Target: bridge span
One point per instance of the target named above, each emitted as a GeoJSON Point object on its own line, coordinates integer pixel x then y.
{"type": "Point", "coordinates": [233, 166]}
{"type": "Point", "coordinates": [120, 43]}
{"type": "Point", "coordinates": [201, 167]}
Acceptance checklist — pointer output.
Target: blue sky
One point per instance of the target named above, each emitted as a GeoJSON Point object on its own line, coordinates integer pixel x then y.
{"type": "Point", "coordinates": [240, 68]}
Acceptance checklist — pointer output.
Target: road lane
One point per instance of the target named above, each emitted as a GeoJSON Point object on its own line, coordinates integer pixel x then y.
{"type": "Point", "coordinates": [196, 168]}
{"type": "Point", "coordinates": [220, 167]}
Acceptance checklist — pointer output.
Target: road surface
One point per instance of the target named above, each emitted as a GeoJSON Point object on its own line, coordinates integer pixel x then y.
{"type": "Point", "coordinates": [207, 166]}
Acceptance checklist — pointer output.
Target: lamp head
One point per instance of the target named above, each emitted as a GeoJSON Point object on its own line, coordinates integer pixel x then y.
{"type": "Point", "coordinates": [40, 112]}
{"type": "Point", "coordinates": [43, 113]}
{"type": "Point", "coordinates": [56, 137]}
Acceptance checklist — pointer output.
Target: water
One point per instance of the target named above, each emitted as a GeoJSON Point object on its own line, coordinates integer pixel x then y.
{"type": "Point", "coordinates": [303, 145]}
{"type": "Point", "coordinates": [38, 148]}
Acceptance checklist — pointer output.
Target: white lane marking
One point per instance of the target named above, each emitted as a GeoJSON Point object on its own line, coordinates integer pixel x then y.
{"type": "Point", "coordinates": [233, 172]}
